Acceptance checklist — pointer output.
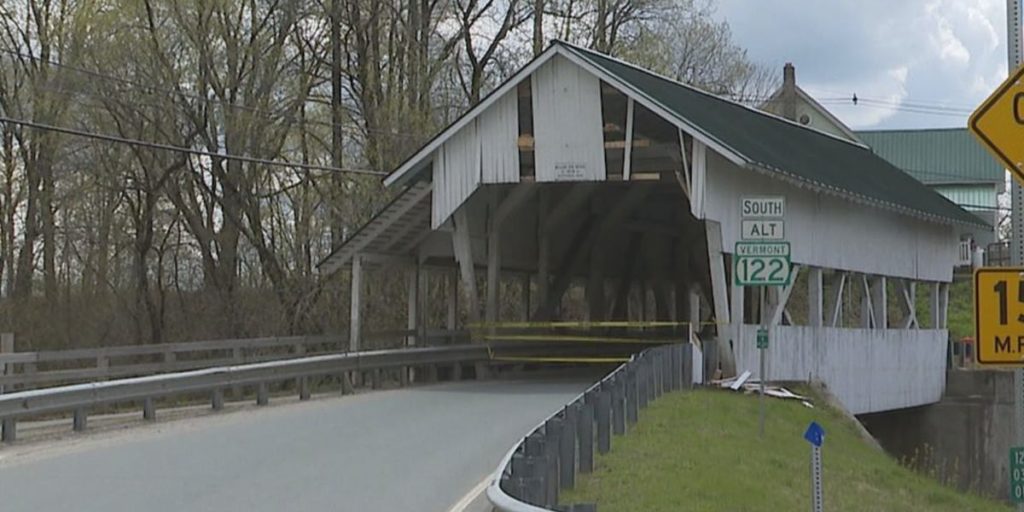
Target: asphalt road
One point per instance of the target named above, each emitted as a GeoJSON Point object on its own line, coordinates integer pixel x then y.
{"type": "Point", "coordinates": [414, 449]}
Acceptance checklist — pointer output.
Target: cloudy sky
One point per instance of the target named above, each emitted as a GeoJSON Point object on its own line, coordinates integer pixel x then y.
{"type": "Point", "coordinates": [915, 63]}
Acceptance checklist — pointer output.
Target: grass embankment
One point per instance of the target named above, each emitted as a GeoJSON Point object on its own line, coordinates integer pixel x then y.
{"type": "Point", "coordinates": [700, 451]}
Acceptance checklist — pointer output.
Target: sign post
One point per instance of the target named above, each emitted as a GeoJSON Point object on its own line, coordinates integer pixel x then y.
{"type": "Point", "coordinates": [815, 435]}
{"type": "Point", "coordinates": [762, 258]}
{"type": "Point", "coordinates": [1017, 475]}
{"type": "Point", "coordinates": [999, 125]}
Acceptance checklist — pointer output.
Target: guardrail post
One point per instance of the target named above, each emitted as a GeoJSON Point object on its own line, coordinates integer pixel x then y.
{"type": "Point", "coordinates": [8, 430]}
{"type": "Point", "coordinates": [148, 409]}
{"type": "Point", "coordinates": [6, 347]}
{"type": "Point", "coordinates": [537, 488]}
{"type": "Point", "coordinates": [262, 394]}
{"type": "Point", "coordinates": [304, 392]}
{"type": "Point", "coordinates": [666, 369]}
{"type": "Point", "coordinates": [567, 448]}
{"type": "Point", "coordinates": [403, 375]}
{"type": "Point", "coordinates": [585, 432]}
{"type": "Point", "coordinates": [376, 378]}
{"type": "Point", "coordinates": [688, 366]}
{"type": "Point", "coordinates": [457, 372]}
{"type": "Point", "coordinates": [431, 373]}
{"type": "Point", "coordinates": [528, 478]}
{"type": "Point", "coordinates": [552, 438]}
{"type": "Point", "coordinates": [641, 382]}
{"type": "Point", "coordinates": [217, 400]}
{"type": "Point", "coordinates": [618, 404]}
{"type": "Point", "coordinates": [632, 397]}
{"type": "Point", "coordinates": [603, 412]}
{"type": "Point", "coordinates": [674, 364]}
{"type": "Point", "coordinates": [656, 374]}
{"type": "Point", "coordinates": [78, 420]}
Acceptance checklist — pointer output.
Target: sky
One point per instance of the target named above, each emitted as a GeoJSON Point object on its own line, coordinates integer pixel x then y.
{"type": "Point", "coordinates": [898, 56]}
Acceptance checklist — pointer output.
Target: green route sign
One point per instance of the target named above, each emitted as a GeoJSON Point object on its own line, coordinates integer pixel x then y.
{"type": "Point", "coordinates": [762, 264]}
{"type": "Point", "coordinates": [1017, 474]}
{"type": "Point", "coordinates": [762, 338]}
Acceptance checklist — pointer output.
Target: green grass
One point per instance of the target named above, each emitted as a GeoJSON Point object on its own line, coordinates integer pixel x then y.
{"type": "Point", "coordinates": [700, 451]}
{"type": "Point", "coordinates": [961, 308]}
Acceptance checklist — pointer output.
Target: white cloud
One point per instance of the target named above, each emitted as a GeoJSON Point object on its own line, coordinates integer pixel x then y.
{"type": "Point", "coordinates": [945, 53]}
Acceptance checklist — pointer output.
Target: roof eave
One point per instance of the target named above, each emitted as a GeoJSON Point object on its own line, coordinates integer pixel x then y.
{"type": "Point", "coordinates": [802, 182]}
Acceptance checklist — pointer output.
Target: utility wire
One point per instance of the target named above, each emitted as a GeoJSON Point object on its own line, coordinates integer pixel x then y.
{"type": "Point", "coordinates": [181, 149]}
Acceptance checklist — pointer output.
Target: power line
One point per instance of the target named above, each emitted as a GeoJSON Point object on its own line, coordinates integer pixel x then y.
{"type": "Point", "coordinates": [181, 149]}
{"type": "Point", "coordinates": [150, 89]}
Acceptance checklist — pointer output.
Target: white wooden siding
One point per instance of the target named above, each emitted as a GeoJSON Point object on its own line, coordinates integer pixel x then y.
{"type": "Point", "coordinates": [869, 370]}
{"type": "Point", "coordinates": [568, 137]}
{"type": "Point", "coordinates": [499, 132]}
{"type": "Point", "coordinates": [456, 173]}
{"type": "Point", "coordinates": [826, 231]}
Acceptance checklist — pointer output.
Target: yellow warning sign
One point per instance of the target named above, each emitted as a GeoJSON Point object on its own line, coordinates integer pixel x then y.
{"type": "Point", "coordinates": [999, 124]}
{"type": "Point", "coordinates": [999, 316]}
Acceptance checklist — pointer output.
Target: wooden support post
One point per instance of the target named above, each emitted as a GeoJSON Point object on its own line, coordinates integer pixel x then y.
{"type": "Point", "coordinates": [780, 298]}
{"type": "Point", "coordinates": [493, 260]}
{"type": "Point", "coordinates": [815, 295]}
{"type": "Point", "coordinates": [543, 246]}
{"type": "Point", "coordinates": [737, 313]}
{"type": "Point", "coordinates": [719, 285]}
{"type": "Point", "coordinates": [627, 154]}
{"type": "Point", "coordinates": [453, 303]}
{"type": "Point", "coordinates": [943, 305]}
{"type": "Point", "coordinates": [524, 298]}
{"type": "Point", "coordinates": [462, 245]}
{"type": "Point", "coordinates": [595, 285]}
{"type": "Point", "coordinates": [148, 409]}
{"type": "Point", "coordinates": [866, 310]}
{"type": "Point", "coordinates": [834, 313]}
{"type": "Point", "coordinates": [412, 304]}
{"type": "Point", "coordinates": [880, 302]}
{"type": "Point", "coordinates": [356, 317]}
{"type": "Point", "coordinates": [908, 290]}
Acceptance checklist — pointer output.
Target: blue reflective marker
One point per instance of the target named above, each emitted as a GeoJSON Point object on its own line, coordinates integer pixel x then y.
{"type": "Point", "coordinates": [815, 434]}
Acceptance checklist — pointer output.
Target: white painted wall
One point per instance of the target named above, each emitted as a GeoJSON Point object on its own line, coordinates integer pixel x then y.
{"type": "Point", "coordinates": [830, 232]}
{"type": "Point", "coordinates": [484, 151]}
{"type": "Point", "coordinates": [869, 370]}
{"type": "Point", "coordinates": [568, 137]}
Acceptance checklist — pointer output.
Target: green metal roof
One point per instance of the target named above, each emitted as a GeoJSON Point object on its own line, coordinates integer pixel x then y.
{"type": "Point", "coordinates": [773, 144]}
{"type": "Point", "coordinates": [934, 156]}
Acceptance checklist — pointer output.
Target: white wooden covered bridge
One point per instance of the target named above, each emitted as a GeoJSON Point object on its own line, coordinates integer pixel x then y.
{"type": "Point", "coordinates": [586, 173]}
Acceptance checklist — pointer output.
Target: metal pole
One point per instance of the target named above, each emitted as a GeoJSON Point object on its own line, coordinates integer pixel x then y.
{"type": "Point", "coordinates": [1013, 47]}
{"type": "Point", "coordinates": [761, 374]}
{"type": "Point", "coordinates": [817, 498]}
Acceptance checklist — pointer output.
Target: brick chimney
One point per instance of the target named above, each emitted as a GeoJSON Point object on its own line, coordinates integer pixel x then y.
{"type": "Point", "coordinates": [788, 97]}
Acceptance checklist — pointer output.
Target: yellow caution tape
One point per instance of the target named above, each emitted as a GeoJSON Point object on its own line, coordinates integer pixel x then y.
{"type": "Point", "coordinates": [590, 360]}
{"type": "Point", "coordinates": [581, 339]}
{"type": "Point", "coordinates": [582, 325]}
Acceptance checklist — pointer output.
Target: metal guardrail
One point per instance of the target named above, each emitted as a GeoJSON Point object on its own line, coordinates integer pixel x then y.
{"type": "Point", "coordinates": [547, 460]}
{"type": "Point", "coordinates": [25, 370]}
{"type": "Point", "coordinates": [80, 398]}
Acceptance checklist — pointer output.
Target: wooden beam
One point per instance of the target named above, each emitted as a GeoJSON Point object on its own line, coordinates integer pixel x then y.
{"type": "Point", "coordinates": [356, 303]}
{"type": "Point", "coordinates": [909, 292]}
{"type": "Point", "coordinates": [815, 296]}
{"type": "Point", "coordinates": [720, 294]}
{"type": "Point", "coordinates": [944, 305]}
{"type": "Point", "coordinates": [463, 249]}
{"type": "Point", "coordinates": [543, 246]}
{"type": "Point", "coordinates": [494, 258]}
{"type": "Point", "coordinates": [737, 305]}
{"type": "Point", "coordinates": [782, 298]}
{"type": "Point", "coordinates": [867, 311]}
{"type": "Point", "coordinates": [620, 309]}
{"type": "Point", "coordinates": [880, 302]}
{"type": "Point", "coordinates": [698, 172]}
{"type": "Point", "coordinates": [684, 179]}
{"type": "Point", "coordinates": [834, 313]}
{"type": "Point", "coordinates": [412, 303]}
{"type": "Point", "coordinates": [627, 155]}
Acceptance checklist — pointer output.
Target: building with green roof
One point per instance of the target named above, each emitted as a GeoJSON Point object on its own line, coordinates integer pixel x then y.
{"type": "Point", "coordinates": [949, 161]}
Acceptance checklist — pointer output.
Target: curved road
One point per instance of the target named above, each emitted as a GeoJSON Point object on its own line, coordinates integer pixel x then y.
{"type": "Point", "coordinates": [414, 449]}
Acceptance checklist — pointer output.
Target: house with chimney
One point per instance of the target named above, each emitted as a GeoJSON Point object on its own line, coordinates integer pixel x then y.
{"type": "Point", "coordinates": [947, 160]}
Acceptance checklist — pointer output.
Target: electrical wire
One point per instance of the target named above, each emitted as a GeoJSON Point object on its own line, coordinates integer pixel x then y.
{"type": "Point", "coordinates": [181, 149]}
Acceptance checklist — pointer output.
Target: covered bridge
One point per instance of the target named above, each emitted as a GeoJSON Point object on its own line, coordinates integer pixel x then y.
{"type": "Point", "coordinates": [585, 173]}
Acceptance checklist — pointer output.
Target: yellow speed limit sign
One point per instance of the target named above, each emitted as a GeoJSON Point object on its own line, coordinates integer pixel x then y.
{"type": "Point", "coordinates": [999, 316]}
